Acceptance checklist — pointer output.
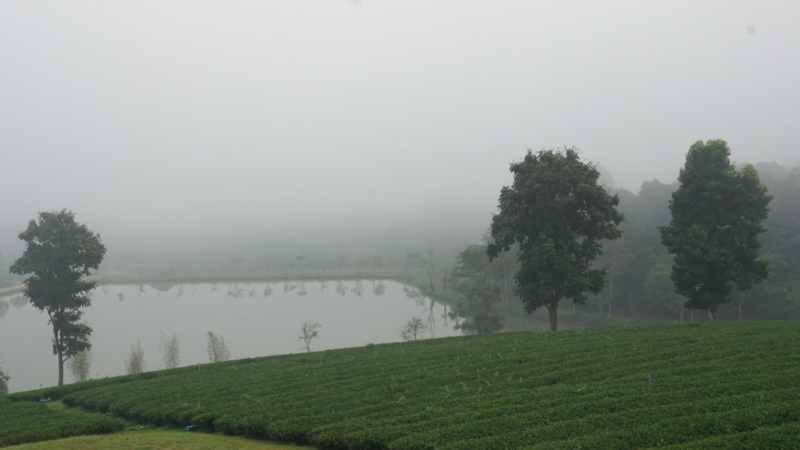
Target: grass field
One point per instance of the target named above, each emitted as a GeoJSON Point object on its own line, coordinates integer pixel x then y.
{"type": "Point", "coordinates": [155, 439]}
{"type": "Point", "coordinates": [713, 386]}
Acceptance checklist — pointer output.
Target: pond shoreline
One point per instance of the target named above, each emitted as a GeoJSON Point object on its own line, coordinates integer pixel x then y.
{"type": "Point", "coordinates": [407, 277]}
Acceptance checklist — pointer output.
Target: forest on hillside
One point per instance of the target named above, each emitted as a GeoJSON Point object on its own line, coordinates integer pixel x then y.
{"type": "Point", "coordinates": [638, 279]}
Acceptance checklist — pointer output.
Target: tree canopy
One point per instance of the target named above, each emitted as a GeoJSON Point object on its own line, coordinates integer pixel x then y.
{"type": "Point", "coordinates": [59, 253]}
{"type": "Point", "coordinates": [717, 214]}
{"type": "Point", "coordinates": [559, 215]}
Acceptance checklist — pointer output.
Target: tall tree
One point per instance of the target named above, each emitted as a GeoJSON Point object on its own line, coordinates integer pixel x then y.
{"type": "Point", "coordinates": [59, 253]}
{"type": "Point", "coordinates": [558, 214]}
{"type": "Point", "coordinates": [716, 218]}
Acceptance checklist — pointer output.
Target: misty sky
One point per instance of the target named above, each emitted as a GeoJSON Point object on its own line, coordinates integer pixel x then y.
{"type": "Point", "coordinates": [209, 117]}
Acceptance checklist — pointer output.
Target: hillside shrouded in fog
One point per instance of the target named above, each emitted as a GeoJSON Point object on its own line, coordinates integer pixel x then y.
{"type": "Point", "coordinates": [198, 131]}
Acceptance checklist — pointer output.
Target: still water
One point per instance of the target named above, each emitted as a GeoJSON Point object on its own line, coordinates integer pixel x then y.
{"type": "Point", "coordinates": [255, 319]}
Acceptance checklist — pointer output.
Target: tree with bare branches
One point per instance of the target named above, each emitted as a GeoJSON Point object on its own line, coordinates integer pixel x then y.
{"type": "Point", "coordinates": [310, 330]}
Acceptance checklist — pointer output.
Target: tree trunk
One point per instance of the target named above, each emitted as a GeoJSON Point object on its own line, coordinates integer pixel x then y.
{"type": "Point", "coordinates": [60, 368]}
{"type": "Point", "coordinates": [59, 353]}
{"type": "Point", "coordinates": [712, 310]}
{"type": "Point", "coordinates": [741, 302]}
{"type": "Point", "coordinates": [682, 313]}
{"type": "Point", "coordinates": [692, 316]}
{"type": "Point", "coordinates": [552, 308]}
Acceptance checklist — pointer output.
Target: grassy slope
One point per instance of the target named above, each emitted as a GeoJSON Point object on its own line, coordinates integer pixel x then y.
{"type": "Point", "coordinates": [171, 439]}
{"type": "Point", "coordinates": [712, 384]}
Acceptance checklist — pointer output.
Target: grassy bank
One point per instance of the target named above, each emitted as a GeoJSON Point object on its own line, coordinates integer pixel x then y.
{"type": "Point", "coordinates": [711, 384]}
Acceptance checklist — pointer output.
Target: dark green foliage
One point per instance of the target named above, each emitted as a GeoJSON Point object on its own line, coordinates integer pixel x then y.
{"type": "Point", "coordinates": [559, 216]}
{"type": "Point", "coordinates": [717, 215]}
{"type": "Point", "coordinates": [487, 286]}
{"type": "Point", "coordinates": [3, 383]}
{"type": "Point", "coordinates": [479, 310]}
{"type": "Point", "coordinates": [23, 422]}
{"type": "Point", "coordinates": [59, 253]}
{"type": "Point", "coordinates": [586, 388]}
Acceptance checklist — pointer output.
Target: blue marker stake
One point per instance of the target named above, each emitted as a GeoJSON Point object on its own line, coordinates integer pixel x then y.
{"type": "Point", "coordinates": [190, 427]}
{"type": "Point", "coordinates": [650, 379]}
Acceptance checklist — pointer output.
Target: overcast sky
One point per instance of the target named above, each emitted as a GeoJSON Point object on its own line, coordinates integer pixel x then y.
{"type": "Point", "coordinates": [204, 117]}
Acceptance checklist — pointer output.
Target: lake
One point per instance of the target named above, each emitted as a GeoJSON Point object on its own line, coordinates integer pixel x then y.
{"type": "Point", "coordinates": [255, 319]}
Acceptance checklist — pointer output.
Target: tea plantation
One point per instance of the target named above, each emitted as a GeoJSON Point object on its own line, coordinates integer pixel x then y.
{"type": "Point", "coordinates": [23, 422]}
{"type": "Point", "coordinates": [731, 385]}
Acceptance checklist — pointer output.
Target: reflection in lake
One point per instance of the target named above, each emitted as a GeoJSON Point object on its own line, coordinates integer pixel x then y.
{"type": "Point", "coordinates": [252, 325]}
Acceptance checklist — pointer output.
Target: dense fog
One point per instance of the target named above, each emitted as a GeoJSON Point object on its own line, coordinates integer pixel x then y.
{"type": "Point", "coordinates": [200, 131]}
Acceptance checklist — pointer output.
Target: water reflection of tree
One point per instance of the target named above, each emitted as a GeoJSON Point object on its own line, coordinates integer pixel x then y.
{"type": "Point", "coordinates": [416, 294]}
{"type": "Point", "coordinates": [288, 288]}
{"type": "Point", "coordinates": [378, 289]}
{"type": "Point", "coordinates": [341, 289]}
{"type": "Point", "coordinates": [180, 291]}
{"type": "Point", "coordinates": [302, 290]}
{"type": "Point", "coordinates": [194, 289]}
{"type": "Point", "coordinates": [252, 291]}
{"type": "Point", "coordinates": [234, 291]}
{"type": "Point", "coordinates": [431, 322]}
{"type": "Point", "coordinates": [358, 289]}
{"type": "Point", "coordinates": [104, 288]}
{"type": "Point", "coordinates": [214, 287]}
{"type": "Point", "coordinates": [141, 290]}
{"type": "Point", "coordinates": [323, 286]}
{"type": "Point", "coordinates": [267, 291]}
{"type": "Point", "coordinates": [3, 308]}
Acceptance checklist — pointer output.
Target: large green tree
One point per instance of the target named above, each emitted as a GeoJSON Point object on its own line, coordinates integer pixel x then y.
{"type": "Point", "coordinates": [717, 215]}
{"type": "Point", "coordinates": [59, 253]}
{"type": "Point", "coordinates": [559, 215]}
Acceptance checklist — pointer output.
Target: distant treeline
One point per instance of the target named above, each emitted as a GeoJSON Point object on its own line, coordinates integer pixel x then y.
{"type": "Point", "coordinates": [638, 281]}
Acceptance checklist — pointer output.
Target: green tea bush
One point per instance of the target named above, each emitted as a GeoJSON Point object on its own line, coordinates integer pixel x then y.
{"type": "Point", "coordinates": [574, 389]}
{"type": "Point", "coordinates": [23, 422]}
